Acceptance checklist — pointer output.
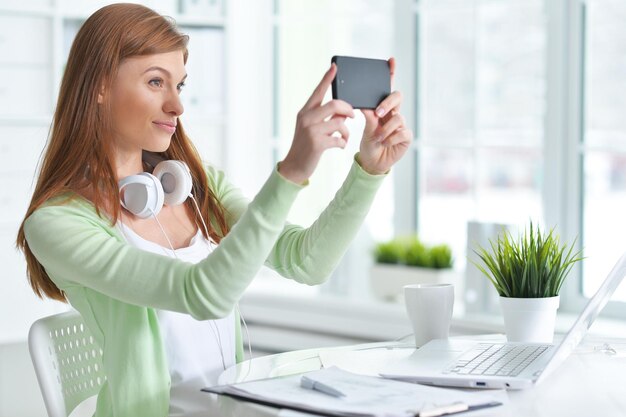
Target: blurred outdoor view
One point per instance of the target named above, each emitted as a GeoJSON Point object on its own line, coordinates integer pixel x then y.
{"type": "Point", "coordinates": [481, 76]}
{"type": "Point", "coordinates": [604, 148]}
{"type": "Point", "coordinates": [482, 99]}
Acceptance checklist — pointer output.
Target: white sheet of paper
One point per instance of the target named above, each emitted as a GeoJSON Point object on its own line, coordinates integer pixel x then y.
{"type": "Point", "coordinates": [364, 362]}
{"type": "Point", "coordinates": [364, 395]}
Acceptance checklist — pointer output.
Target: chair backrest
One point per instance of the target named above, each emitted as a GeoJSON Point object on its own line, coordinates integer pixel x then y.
{"type": "Point", "coordinates": [67, 361]}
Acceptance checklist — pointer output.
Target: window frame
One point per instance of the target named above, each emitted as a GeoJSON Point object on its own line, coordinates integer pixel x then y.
{"type": "Point", "coordinates": [563, 155]}
{"type": "Point", "coordinates": [563, 185]}
{"type": "Point", "coordinates": [574, 13]}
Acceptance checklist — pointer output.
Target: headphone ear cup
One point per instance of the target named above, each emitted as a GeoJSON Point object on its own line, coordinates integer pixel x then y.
{"type": "Point", "coordinates": [141, 194]}
{"type": "Point", "coordinates": [175, 179]}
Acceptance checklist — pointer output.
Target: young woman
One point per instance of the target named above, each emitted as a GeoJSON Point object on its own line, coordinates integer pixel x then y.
{"type": "Point", "coordinates": [158, 288]}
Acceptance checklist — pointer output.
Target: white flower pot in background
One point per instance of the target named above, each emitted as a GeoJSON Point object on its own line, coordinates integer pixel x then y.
{"type": "Point", "coordinates": [529, 319]}
{"type": "Point", "coordinates": [388, 280]}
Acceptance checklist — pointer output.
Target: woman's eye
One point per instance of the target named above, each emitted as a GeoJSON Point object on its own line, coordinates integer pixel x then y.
{"type": "Point", "coordinates": [180, 86]}
{"type": "Point", "coordinates": [157, 82]}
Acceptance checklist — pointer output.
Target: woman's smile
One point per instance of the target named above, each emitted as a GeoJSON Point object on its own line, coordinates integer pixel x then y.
{"type": "Point", "coordinates": [169, 127]}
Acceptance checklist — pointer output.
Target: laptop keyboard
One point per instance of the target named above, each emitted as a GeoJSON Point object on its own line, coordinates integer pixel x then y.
{"type": "Point", "coordinates": [496, 359]}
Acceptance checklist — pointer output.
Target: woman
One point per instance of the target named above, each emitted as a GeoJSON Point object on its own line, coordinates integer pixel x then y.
{"type": "Point", "coordinates": [166, 323]}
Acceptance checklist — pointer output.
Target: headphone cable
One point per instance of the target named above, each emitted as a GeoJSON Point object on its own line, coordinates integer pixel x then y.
{"type": "Point", "coordinates": [245, 326]}
{"type": "Point", "coordinates": [243, 320]}
{"type": "Point", "coordinates": [212, 323]}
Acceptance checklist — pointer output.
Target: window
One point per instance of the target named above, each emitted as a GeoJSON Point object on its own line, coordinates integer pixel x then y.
{"type": "Point", "coordinates": [516, 106]}
{"type": "Point", "coordinates": [306, 35]}
{"type": "Point", "coordinates": [481, 94]}
{"type": "Point", "coordinates": [520, 118]}
{"type": "Point", "coordinates": [603, 149]}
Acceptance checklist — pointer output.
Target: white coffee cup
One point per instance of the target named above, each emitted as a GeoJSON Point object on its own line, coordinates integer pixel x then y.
{"type": "Point", "coordinates": [429, 307]}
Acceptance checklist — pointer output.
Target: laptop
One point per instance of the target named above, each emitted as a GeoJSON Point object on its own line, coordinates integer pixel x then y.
{"type": "Point", "coordinates": [459, 362]}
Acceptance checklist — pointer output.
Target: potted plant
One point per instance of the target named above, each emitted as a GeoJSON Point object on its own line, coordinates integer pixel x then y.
{"type": "Point", "coordinates": [407, 260]}
{"type": "Point", "coordinates": [528, 274]}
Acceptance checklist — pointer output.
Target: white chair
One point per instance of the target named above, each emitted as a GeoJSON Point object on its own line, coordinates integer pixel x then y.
{"type": "Point", "coordinates": [68, 364]}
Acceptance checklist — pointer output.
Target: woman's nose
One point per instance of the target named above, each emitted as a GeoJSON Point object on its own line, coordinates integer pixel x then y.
{"type": "Point", "coordinates": [173, 105]}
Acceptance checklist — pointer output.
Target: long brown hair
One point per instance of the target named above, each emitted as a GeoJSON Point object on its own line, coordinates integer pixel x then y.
{"type": "Point", "coordinates": [79, 149]}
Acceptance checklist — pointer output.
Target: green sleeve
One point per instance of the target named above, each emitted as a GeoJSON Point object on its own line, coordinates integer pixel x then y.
{"type": "Point", "coordinates": [310, 255]}
{"type": "Point", "coordinates": [78, 248]}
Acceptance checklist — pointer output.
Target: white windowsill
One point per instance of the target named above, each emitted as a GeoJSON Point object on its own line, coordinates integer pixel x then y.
{"type": "Point", "coordinates": [324, 319]}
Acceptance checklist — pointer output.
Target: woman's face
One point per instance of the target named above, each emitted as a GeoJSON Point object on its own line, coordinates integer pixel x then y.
{"type": "Point", "coordinates": [145, 102]}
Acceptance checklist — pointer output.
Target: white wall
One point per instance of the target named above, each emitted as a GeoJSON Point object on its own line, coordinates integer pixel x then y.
{"type": "Point", "coordinates": [34, 41]}
{"type": "Point", "coordinates": [19, 392]}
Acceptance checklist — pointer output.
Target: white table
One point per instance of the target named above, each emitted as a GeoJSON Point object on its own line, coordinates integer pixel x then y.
{"type": "Point", "coordinates": [590, 383]}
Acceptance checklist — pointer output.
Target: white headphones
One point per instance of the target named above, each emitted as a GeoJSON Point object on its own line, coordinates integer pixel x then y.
{"type": "Point", "coordinates": [170, 183]}
{"type": "Point", "coordinates": [144, 194]}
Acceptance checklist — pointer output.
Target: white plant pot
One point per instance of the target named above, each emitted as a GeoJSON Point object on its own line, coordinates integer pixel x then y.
{"type": "Point", "coordinates": [529, 319]}
{"type": "Point", "coordinates": [388, 280]}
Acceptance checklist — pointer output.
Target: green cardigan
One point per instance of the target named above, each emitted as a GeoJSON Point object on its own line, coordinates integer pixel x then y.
{"type": "Point", "coordinates": [117, 287]}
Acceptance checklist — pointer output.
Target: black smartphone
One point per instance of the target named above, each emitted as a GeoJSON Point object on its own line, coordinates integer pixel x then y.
{"type": "Point", "coordinates": [362, 82]}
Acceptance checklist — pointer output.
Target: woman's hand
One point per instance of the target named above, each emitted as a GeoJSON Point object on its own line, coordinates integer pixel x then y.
{"type": "Point", "coordinates": [315, 126]}
{"type": "Point", "coordinates": [385, 137]}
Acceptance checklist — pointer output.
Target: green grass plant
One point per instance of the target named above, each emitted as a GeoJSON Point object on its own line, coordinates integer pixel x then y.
{"type": "Point", "coordinates": [411, 251]}
{"type": "Point", "coordinates": [533, 266]}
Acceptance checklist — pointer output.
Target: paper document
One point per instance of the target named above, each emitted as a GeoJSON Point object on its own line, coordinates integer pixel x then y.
{"type": "Point", "coordinates": [363, 395]}
{"type": "Point", "coordinates": [364, 361]}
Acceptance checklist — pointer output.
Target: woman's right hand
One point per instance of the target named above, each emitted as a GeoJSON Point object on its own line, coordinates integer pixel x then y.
{"type": "Point", "coordinates": [315, 126]}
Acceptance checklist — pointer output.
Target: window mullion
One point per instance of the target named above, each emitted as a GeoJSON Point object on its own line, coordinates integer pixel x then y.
{"type": "Point", "coordinates": [562, 192]}
{"type": "Point", "coordinates": [406, 81]}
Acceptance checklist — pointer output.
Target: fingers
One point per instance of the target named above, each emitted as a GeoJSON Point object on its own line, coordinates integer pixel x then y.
{"type": "Point", "coordinates": [396, 122]}
{"type": "Point", "coordinates": [323, 132]}
{"type": "Point", "coordinates": [402, 136]}
{"type": "Point", "coordinates": [327, 129]}
{"type": "Point", "coordinates": [334, 108]}
{"type": "Point", "coordinates": [392, 101]}
{"type": "Point", "coordinates": [336, 125]}
{"type": "Point", "coordinates": [386, 111]}
{"type": "Point", "coordinates": [337, 142]}
{"type": "Point", "coordinates": [392, 68]}
{"type": "Point", "coordinates": [318, 94]}
{"type": "Point", "coordinates": [395, 98]}
{"type": "Point", "coordinates": [370, 115]}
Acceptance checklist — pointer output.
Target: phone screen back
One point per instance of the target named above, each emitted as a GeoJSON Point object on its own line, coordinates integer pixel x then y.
{"type": "Point", "coordinates": [362, 82]}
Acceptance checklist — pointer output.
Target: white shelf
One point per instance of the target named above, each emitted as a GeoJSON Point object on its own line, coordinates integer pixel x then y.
{"type": "Point", "coordinates": [27, 10]}
{"type": "Point", "coordinates": [196, 21]}
{"type": "Point", "coordinates": [181, 20]}
{"type": "Point", "coordinates": [27, 121]}
{"type": "Point", "coordinates": [34, 72]}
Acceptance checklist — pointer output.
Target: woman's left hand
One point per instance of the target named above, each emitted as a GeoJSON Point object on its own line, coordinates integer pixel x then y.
{"type": "Point", "coordinates": [385, 137]}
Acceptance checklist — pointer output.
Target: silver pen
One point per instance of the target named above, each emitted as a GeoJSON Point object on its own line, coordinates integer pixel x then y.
{"type": "Point", "coordinates": [308, 383]}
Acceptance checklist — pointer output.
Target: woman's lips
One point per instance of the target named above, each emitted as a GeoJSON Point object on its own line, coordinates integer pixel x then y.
{"type": "Point", "coordinates": [168, 127]}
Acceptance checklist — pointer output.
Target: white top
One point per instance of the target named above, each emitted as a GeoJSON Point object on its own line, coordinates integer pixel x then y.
{"type": "Point", "coordinates": [192, 346]}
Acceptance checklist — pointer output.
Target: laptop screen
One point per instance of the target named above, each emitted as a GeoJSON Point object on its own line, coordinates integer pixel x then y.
{"type": "Point", "coordinates": [586, 318]}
